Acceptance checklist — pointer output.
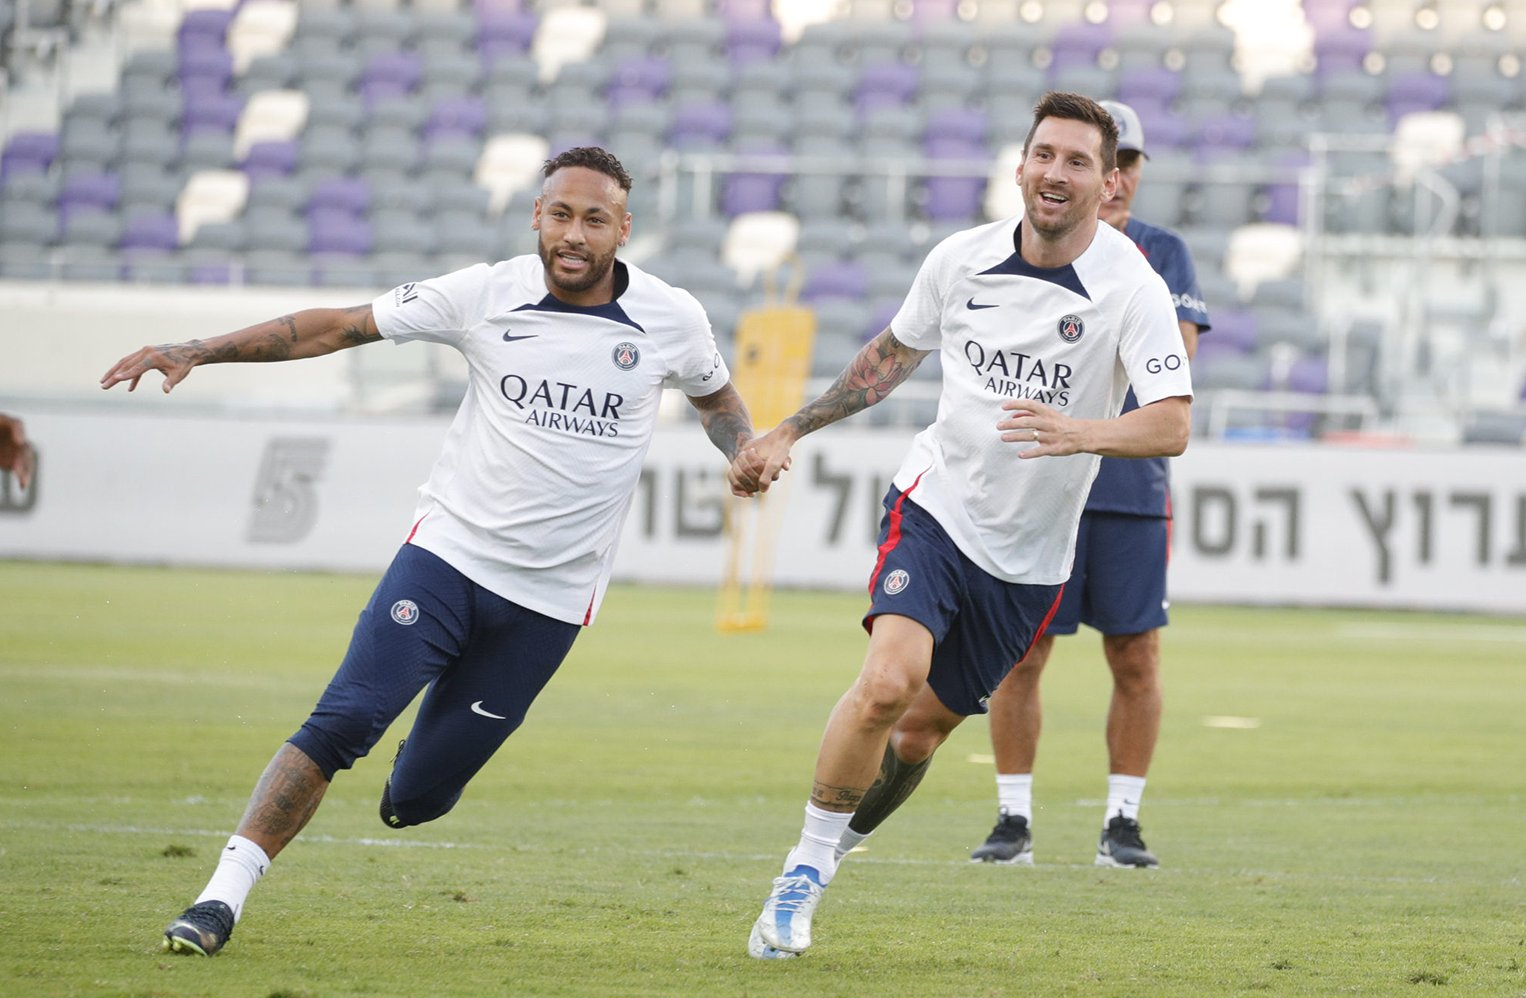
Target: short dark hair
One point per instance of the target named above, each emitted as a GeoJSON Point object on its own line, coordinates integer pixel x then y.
{"type": "Point", "coordinates": [1078, 107]}
{"type": "Point", "coordinates": [592, 158]}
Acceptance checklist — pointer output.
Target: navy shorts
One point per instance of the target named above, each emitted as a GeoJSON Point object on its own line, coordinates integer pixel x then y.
{"type": "Point", "coordinates": [981, 626]}
{"type": "Point", "coordinates": [483, 659]}
{"type": "Point", "coordinates": [1118, 583]}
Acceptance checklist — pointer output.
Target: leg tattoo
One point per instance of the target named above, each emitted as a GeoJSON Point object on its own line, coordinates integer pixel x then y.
{"type": "Point", "coordinates": [284, 800]}
{"type": "Point", "coordinates": [895, 783]}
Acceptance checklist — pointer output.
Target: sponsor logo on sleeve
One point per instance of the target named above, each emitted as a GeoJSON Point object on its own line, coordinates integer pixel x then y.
{"type": "Point", "coordinates": [403, 294]}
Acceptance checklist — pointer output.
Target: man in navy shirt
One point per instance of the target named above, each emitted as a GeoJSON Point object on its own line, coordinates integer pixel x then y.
{"type": "Point", "coordinates": [1117, 585]}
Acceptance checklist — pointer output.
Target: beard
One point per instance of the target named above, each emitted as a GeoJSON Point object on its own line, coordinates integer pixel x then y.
{"type": "Point", "coordinates": [598, 269]}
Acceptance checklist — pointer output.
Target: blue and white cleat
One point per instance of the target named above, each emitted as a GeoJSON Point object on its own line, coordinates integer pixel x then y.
{"type": "Point", "coordinates": [786, 920]}
{"type": "Point", "coordinates": [759, 950]}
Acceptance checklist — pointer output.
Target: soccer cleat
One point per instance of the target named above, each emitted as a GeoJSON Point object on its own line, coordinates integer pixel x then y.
{"type": "Point", "coordinates": [759, 950]}
{"type": "Point", "coordinates": [1009, 843]}
{"type": "Point", "coordinates": [201, 930]}
{"type": "Point", "coordinates": [785, 923]}
{"type": "Point", "coordinates": [1121, 845]}
{"type": "Point", "coordinates": [388, 815]}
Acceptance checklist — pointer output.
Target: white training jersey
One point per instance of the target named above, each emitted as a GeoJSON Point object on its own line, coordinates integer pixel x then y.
{"type": "Point", "coordinates": [537, 470]}
{"type": "Point", "coordinates": [1071, 337]}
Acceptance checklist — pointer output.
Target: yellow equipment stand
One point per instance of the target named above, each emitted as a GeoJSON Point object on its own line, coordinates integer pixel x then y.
{"type": "Point", "coordinates": [773, 360]}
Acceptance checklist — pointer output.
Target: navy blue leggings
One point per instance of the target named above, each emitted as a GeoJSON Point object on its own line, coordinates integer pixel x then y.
{"type": "Point", "coordinates": [483, 658]}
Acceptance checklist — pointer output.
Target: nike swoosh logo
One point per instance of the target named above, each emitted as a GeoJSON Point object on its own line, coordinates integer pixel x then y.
{"type": "Point", "coordinates": [477, 709]}
{"type": "Point", "coordinates": [971, 305]}
{"type": "Point", "coordinates": [510, 337]}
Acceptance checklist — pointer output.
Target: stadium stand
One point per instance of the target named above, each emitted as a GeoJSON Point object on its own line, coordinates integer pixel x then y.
{"type": "Point", "coordinates": [365, 142]}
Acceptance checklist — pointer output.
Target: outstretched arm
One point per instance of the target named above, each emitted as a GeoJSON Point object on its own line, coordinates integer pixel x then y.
{"type": "Point", "coordinates": [312, 332]}
{"type": "Point", "coordinates": [874, 373]}
{"type": "Point", "coordinates": [725, 419]}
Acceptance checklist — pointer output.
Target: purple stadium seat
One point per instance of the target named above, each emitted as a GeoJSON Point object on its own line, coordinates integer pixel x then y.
{"type": "Point", "coordinates": [1157, 85]}
{"type": "Point", "coordinates": [954, 198]}
{"type": "Point", "coordinates": [504, 33]}
{"type": "Point", "coordinates": [886, 84]}
{"type": "Point", "coordinates": [338, 232]}
{"type": "Point", "coordinates": [492, 7]}
{"type": "Point", "coordinates": [934, 11]}
{"type": "Point", "coordinates": [1341, 49]}
{"type": "Point", "coordinates": [209, 111]}
{"type": "Point", "coordinates": [1127, 13]}
{"type": "Point", "coordinates": [751, 40]}
{"type": "Point", "coordinates": [206, 64]}
{"type": "Point", "coordinates": [390, 74]}
{"type": "Point", "coordinates": [1283, 198]}
{"type": "Point", "coordinates": [1309, 374]}
{"type": "Point", "coordinates": [700, 124]}
{"type": "Point", "coordinates": [1217, 132]}
{"type": "Point", "coordinates": [1408, 92]}
{"type": "Point", "coordinates": [210, 273]}
{"type": "Point", "coordinates": [1163, 129]}
{"type": "Point", "coordinates": [744, 192]}
{"type": "Point", "coordinates": [639, 79]}
{"type": "Point", "coordinates": [1078, 45]}
{"type": "Point", "coordinates": [29, 152]}
{"type": "Point", "coordinates": [274, 158]}
{"type": "Point", "coordinates": [1233, 329]}
{"type": "Point", "coordinates": [457, 116]}
{"type": "Point", "coordinates": [1328, 15]}
{"type": "Point", "coordinates": [94, 190]}
{"type": "Point", "coordinates": [199, 28]}
{"type": "Point", "coordinates": [968, 125]}
{"type": "Point", "coordinates": [744, 10]}
{"type": "Point", "coordinates": [150, 231]}
{"type": "Point", "coordinates": [837, 279]}
{"type": "Point", "coordinates": [350, 195]}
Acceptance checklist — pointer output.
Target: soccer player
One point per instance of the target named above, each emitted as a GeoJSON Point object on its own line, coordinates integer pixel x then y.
{"type": "Point", "coordinates": [1118, 586]}
{"type": "Point", "coordinates": [1041, 323]}
{"type": "Point", "coordinates": [511, 543]}
{"type": "Point", "coordinates": [16, 454]}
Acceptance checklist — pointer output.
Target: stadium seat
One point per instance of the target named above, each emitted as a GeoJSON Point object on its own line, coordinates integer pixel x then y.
{"type": "Point", "coordinates": [757, 242]}
{"type": "Point", "coordinates": [210, 196]}
{"type": "Point", "coordinates": [260, 28]}
{"type": "Point", "coordinates": [509, 164]}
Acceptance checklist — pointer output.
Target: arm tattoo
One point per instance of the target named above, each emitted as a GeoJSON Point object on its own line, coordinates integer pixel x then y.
{"type": "Point", "coordinates": [290, 322]}
{"type": "Point", "coordinates": [726, 420]}
{"type": "Point", "coordinates": [880, 366]}
{"type": "Point", "coordinates": [355, 331]}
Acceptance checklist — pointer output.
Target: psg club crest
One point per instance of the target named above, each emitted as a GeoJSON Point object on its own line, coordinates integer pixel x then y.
{"type": "Point", "coordinates": [1071, 327]}
{"type": "Point", "coordinates": [405, 612]}
{"type": "Point", "coordinates": [896, 581]}
{"type": "Point", "coordinates": [626, 356]}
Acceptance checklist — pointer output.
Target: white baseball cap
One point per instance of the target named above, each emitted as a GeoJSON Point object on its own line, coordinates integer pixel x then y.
{"type": "Point", "coordinates": [1130, 131]}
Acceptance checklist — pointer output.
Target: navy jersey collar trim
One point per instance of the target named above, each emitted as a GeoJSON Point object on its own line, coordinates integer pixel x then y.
{"type": "Point", "coordinates": [1015, 266]}
{"type": "Point", "coordinates": [609, 310]}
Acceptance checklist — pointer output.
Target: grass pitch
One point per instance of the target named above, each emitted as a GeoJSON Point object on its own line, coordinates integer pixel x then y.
{"type": "Point", "coordinates": [1337, 801]}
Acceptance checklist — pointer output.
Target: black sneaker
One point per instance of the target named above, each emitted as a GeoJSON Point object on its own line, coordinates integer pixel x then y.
{"type": "Point", "coordinates": [1010, 842]}
{"type": "Point", "coordinates": [1121, 845]}
{"type": "Point", "coordinates": [201, 930]}
{"type": "Point", "coordinates": [388, 815]}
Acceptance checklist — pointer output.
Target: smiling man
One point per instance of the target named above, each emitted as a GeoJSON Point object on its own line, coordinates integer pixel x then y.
{"type": "Point", "coordinates": [1041, 323]}
{"type": "Point", "coordinates": [509, 550]}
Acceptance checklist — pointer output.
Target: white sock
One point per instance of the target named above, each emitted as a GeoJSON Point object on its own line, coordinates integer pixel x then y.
{"type": "Point", "coordinates": [1014, 794]}
{"type": "Point", "coordinates": [849, 841]}
{"type": "Point", "coordinates": [241, 864]}
{"type": "Point", "coordinates": [818, 842]}
{"type": "Point", "coordinates": [1124, 794]}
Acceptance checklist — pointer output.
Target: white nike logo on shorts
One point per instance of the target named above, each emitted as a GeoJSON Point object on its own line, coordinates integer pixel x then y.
{"type": "Point", "coordinates": [477, 709]}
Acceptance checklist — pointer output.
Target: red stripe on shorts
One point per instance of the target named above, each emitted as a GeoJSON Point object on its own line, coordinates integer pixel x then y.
{"type": "Point", "coordinates": [892, 536]}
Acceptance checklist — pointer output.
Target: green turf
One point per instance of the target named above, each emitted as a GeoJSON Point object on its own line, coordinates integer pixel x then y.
{"type": "Point", "coordinates": [1363, 839]}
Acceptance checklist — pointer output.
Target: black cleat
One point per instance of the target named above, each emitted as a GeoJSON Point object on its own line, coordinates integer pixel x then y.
{"type": "Point", "coordinates": [1121, 845]}
{"type": "Point", "coordinates": [201, 930]}
{"type": "Point", "coordinates": [1009, 843]}
{"type": "Point", "coordinates": [388, 815]}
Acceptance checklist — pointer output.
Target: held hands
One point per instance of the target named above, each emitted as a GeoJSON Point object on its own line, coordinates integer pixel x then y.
{"type": "Point", "coordinates": [173, 360]}
{"type": "Point", "coordinates": [760, 462]}
{"type": "Point", "coordinates": [1049, 432]}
